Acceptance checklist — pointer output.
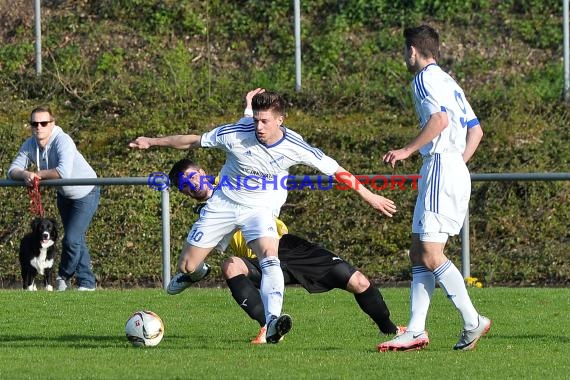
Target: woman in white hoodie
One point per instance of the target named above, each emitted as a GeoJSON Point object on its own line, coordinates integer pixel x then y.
{"type": "Point", "coordinates": [54, 155]}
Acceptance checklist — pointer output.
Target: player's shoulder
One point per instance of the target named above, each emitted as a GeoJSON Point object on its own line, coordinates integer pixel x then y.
{"type": "Point", "coordinates": [291, 133]}
{"type": "Point", "coordinates": [433, 81]}
{"type": "Point", "coordinates": [295, 141]}
{"type": "Point", "coordinates": [435, 75]}
{"type": "Point", "coordinates": [243, 125]}
{"type": "Point", "coordinates": [429, 74]}
{"type": "Point", "coordinates": [292, 137]}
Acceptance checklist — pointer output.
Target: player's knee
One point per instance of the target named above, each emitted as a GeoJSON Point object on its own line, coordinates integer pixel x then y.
{"type": "Point", "coordinates": [192, 258]}
{"type": "Point", "coordinates": [186, 264]}
{"type": "Point", "coordinates": [186, 267]}
{"type": "Point", "coordinates": [358, 283]}
{"type": "Point", "coordinates": [233, 267]}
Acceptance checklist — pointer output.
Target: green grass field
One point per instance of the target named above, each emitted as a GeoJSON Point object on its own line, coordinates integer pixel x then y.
{"type": "Point", "coordinates": [76, 335]}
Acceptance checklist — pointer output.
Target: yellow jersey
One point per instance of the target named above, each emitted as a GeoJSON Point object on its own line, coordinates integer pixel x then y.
{"type": "Point", "coordinates": [240, 248]}
{"type": "Point", "coordinates": [238, 244]}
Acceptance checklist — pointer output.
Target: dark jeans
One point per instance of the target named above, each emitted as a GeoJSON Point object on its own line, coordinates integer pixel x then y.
{"type": "Point", "coordinates": [76, 216]}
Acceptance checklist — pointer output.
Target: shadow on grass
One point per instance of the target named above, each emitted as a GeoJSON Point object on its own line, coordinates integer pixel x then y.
{"type": "Point", "coordinates": [206, 342]}
{"type": "Point", "coordinates": [83, 341]}
{"type": "Point", "coordinates": [78, 341]}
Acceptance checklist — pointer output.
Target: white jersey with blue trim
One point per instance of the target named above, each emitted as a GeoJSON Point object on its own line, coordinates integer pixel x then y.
{"type": "Point", "coordinates": [256, 174]}
{"type": "Point", "coordinates": [436, 91]}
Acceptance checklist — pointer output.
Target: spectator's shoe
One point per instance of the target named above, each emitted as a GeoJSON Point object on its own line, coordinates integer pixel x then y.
{"type": "Point", "coordinates": [60, 284]}
{"type": "Point", "coordinates": [406, 341]}
{"type": "Point", "coordinates": [260, 338]}
{"type": "Point", "coordinates": [85, 289]}
{"type": "Point", "coordinates": [277, 328]}
{"type": "Point", "coordinates": [182, 281]}
{"type": "Point", "coordinates": [469, 338]}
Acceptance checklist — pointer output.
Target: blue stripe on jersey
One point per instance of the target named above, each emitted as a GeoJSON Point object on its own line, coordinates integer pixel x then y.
{"type": "Point", "coordinates": [300, 142]}
{"type": "Point", "coordinates": [472, 123]}
{"type": "Point", "coordinates": [442, 268]}
{"type": "Point", "coordinates": [419, 84]}
{"type": "Point", "coordinates": [231, 128]}
{"type": "Point", "coordinates": [438, 180]}
{"type": "Point", "coordinates": [434, 191]}
{"type": "Point", "coordinates": [443, 109]}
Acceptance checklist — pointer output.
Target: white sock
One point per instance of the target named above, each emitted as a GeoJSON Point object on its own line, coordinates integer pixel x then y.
{"type": "Point", "coordinates": [200, 272]}
{"type": "Point", "coordinates": [272, 287]}
{"type": "Point", "coordinates": [423, 285]}
{"type": "Point", "coordinates": [452, 283]}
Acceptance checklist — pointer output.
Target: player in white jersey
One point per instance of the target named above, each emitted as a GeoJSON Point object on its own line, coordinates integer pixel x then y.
{"type": "Point", "coordinates": [304, 263]}
{"type": "Point", "coordinates": [250, 193]}
{"type": "Point", "coordinates": [450, 133]}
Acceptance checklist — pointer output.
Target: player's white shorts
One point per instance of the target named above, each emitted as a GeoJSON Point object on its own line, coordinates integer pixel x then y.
{"type": "Point", "coordinates": [443, 197]}
{"type": "Point", "coordinates": [221, 217]}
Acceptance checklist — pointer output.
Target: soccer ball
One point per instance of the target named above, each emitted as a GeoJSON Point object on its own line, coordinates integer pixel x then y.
{"type": "Point", "coordinates": [144, 329]}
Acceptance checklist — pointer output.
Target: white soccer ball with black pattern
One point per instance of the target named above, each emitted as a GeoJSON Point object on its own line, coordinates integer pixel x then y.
{"type": "Point", "coordinates": [144, 329]}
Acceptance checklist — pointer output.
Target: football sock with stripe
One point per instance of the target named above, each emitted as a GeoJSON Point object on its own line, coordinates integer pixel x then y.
{"type": "Point", "coordinates": [422, 287]}
{"type": "Point", "coordinates": [272, 286]}
{"type": "Point", "coordinates": [453, 284]}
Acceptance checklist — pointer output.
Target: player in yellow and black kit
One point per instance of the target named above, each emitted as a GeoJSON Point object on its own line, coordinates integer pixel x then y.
{"type": "Point", "coordinates": [305, 263]}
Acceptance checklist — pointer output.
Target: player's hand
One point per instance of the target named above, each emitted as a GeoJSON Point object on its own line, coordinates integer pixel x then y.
{"type": "Point", "coordinates": [384, 205]}
{"type": "Point", "coordinates": [394, 156]}
{"type": "Point", "coordinates": [140, 143]}
{"type": "Point", "coordinates": [251, 94]}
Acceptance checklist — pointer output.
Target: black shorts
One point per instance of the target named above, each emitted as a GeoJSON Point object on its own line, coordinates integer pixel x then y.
{"type": "Point", "coordinates": [315, 268]}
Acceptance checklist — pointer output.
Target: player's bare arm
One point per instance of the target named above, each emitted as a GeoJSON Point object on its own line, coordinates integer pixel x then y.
{"type": "Point", "coordinates": [175, 141]}
{"type": "Point", "coordinates": [474, 136]}
{"type": "Point", "coordinates": [378, 202]}
{"type": "Point", "coordinates": [248, 99]}
{"type": "Point", "coordinates": [436, 123]}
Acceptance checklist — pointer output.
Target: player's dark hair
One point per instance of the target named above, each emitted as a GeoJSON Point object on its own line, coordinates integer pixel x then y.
{"type": "Point", "coordinates": [425, 39]}
{"type": "Point", "coordinates": [180, 167]}
{"type": "Point", "coordinates": [268, 101]}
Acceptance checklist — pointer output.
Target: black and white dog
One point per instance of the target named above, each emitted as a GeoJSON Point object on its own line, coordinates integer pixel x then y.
{"type": "Point", "coordinates": [37, 251]}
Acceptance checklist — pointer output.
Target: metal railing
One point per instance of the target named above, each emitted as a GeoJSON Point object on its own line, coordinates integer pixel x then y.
{"type": "Point", "coordinates": [165, 201]}
{"type": "Point", "coordinates": [498, 177]}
